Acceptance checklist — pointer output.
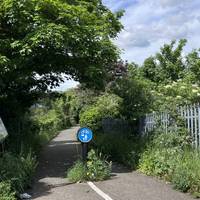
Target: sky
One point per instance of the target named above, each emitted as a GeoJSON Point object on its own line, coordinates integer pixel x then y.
{"type": "Point", "coordinates": [148, 24]}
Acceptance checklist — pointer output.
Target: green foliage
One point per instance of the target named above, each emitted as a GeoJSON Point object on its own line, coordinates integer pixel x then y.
{"type": "Point", "coordinates": [193, 63]}
{"type": "Point", "coordinates": [18, 170]}
{"type": "Point", "coordinates": [170, 156]}
{"type": "Point", "coordinates": [28, 165]}
{"type": "Point", "coordinates": [79, 99]}
{"type": "Point", "coordinates": [47, 122]}
{"type": "Point", "coordinates": [167, 65]}
{"type": "Point", "coordinates": [6, 192]}
{"type": "Point", "coordinates": [106, 106]}
{"type": "Point", "coordinates": [161, 153]}
{"type": "Point", "coordinates": [96, 168]}
{"type": "Point", "coordinates": [174, 78]}
{"type": "Point", "coordinates": [118, 148]}
{"type": "Point", "coordinates": [135, 92]}
{"type": "Point", "coordinates": [41, 123]}
{"type": "Point", "coordinates": [91, 118]}
{"type": "Point", "coordinates": [175, 94]}
{"type": "Point", "coordinates": [42, 40]}
{"type": "Point", "coordinates": [77, 173]}
{"type": "Point", "coordinates": [186, 176]}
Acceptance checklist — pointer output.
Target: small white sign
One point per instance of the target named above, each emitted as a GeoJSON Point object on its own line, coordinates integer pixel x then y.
{"type": "Point", "coordinates": [3, 131]}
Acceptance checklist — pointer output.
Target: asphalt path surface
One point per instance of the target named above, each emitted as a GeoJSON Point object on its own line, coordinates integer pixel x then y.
{"type": "Point", "coordinates": [50, 182]}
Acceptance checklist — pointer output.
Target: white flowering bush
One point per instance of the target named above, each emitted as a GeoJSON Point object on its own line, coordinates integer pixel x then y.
{"type": "Point", "coordinates": [175, 94]}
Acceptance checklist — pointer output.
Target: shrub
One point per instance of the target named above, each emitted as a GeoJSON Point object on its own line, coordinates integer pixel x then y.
{"type": "Point", "coordinates": [91, 118]}
{"type": "Point", "coordinates": [170, 156]}
{"type": "Point", "coordinates": [186, 175]}
{"type": "Point", "coordinates": [17, 169]}
{"type": "Point", "coordinates": [107, 105]}
{"type": "Point", "coordinates": [161, 153]}
{"type": "Point", "coordinates": [77, 173]}
{"type": "Point", "coordinates": [5, 191]}
{"type": "Point", "coordinates": [158, 162]}
{"type": "Point", "coordinates": [96, 168]}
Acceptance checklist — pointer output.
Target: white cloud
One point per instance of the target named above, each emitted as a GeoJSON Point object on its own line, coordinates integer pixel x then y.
{"type": "Point", "coordinates": [169, 3]}
{"type": "Point", "coordinates": [67, 85]}
{"type": "Point", "coordinates": [151, 23]}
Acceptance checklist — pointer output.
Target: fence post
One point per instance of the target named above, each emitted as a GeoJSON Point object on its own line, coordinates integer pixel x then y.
{"type": "Point", "coordinates": [198, 124]}
{"type": "Point", "coordinates": [195, 125]}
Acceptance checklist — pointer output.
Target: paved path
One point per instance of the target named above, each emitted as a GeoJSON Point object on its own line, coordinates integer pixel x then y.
{"type": "Point", "coordinates": [59, 155]}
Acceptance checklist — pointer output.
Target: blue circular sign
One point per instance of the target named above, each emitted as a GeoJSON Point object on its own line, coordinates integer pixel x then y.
{"type": "Point", "coordinates": [84, 135]}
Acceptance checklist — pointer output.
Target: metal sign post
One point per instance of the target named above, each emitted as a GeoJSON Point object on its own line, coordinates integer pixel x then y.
{"type": "Point", "coordinates": [84, 135]}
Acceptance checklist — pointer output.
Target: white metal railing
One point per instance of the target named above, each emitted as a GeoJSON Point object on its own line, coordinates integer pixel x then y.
{"type": "Point", "coordinates": [189, 113]}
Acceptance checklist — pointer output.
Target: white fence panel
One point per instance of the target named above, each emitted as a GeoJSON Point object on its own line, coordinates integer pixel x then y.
{"type": "Point", "coordinates": [190, 114]}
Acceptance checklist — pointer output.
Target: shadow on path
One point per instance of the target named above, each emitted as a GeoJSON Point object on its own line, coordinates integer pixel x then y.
{"type": "Point", "coordinates": [54, 161]}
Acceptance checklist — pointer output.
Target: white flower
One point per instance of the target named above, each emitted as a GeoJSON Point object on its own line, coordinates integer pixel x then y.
{"type": "Point", "coordinates": [194, 85]}
{"type": "Point", "coordinates": [194, 90]}
{"type": "Point", "coordinates": [178, 97]}
{"type": "Point", "coordinates": [168, 86]}
{"type": "Point", "coordinates": [182, 87]}
{"type": "Point", "coordinates": [174, 83]}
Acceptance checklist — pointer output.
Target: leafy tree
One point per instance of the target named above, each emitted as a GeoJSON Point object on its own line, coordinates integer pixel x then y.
{"type": "Point", "coordinates": [167, 65]}
{"type": "Point", "coordinates": [193, 67]}
{"type": "Point", "coordinates": [41, 41]}
{"type": "Point", "coordinates": [135, 92]}
{"type": "Point", "coordinates": [78, 100]}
